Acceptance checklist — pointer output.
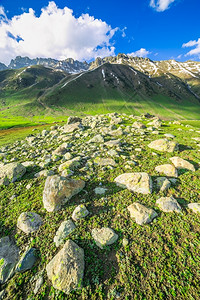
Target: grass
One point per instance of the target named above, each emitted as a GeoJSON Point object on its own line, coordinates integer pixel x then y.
{"type": "Point", "coordinates": [161, 260]}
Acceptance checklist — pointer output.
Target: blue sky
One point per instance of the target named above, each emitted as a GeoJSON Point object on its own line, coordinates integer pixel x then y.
{"type": "Point", "coordinates": [158, 29]}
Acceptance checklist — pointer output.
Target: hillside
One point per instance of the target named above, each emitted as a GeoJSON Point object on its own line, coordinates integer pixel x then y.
{"type": "Point", "coordinates": [103, 207]}
{"type": "Point", "coordinates": [21, 88]}
{"type": "Point", "coordinates": [123, 84]}
{"type": "Point", "coordinates": [119, 87]}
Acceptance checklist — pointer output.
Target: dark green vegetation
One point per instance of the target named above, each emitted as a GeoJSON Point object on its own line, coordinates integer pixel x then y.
{"type": "Point", "coordinates": [161, 260]}
{"type": "Point", "coordinates": [123, 84]}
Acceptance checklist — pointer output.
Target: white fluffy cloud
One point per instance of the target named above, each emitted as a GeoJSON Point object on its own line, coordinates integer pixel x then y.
{"type": "Point", "coordinates": [161, 5]}
{"type": "Point", "coordinates": [196, 50]}
{"type": "Point", "coordinates": [140, 53]}
{"type": "Point", "coordinates": [56, 33]}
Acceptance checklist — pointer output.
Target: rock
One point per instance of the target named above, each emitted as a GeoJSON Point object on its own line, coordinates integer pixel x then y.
{"type": "Point", "coordinates": [99, 191]}
{"type": "Point", "coordinates": [164, 145]}
{"type": "Point", "coordinates": [135, 182]}
{"type": "Point", "coordinates": [113, 143]}
{"type": "Point", "coordinates": [66, 269]}
{"type": "Point", "coordinates": [29, 164]}
{"type": "Point", "coordinates": [163, 183]}
{"type": "Point", "coordinates": [125, 242]}
{"type": "Point", "coordinates": [141, 213]}
{"type": "Point", "coordinates": [139, 125]}
{"type": "Point", "coordinates": [29, 222]}
{"type": "Point", "coordinates": [97, 139]}
{"type": "Point", "coordinates": [2, 294]}
{"type": "Point", "coordinates": [44, 173]}
{"type": "Point", "coordinates": [195, 207]}
{"type": "Point", "coordinates": [168, 204]}
{"type": "Point", "coordinates": [104, 162]}
{"type": "Point", "coordinates": [71, 164]}
{"type": "Point", "coordinates": [169, 135]}
{"type": "Point", "coordinates": [72, 120]}
{"type": "Point", "coordinates": [11, 172]}
{"type": "Point", "coordinates": [27, 260]}
{"type": "Point", "coordinates": [180, 163]}
{"type": "Point", "coordinates": [104, 236]}
{"type": "Point", "coordinates": [63, 231]}
{"type": "Point", "coordinates": [9, 256]}
{"type": "Point", "coordinates": [58, 190]}
{"type": "Point", "coordinates": [72, 127]}
{"type": "Point", "coordinates": [80, 212]}
{"type": "Point", "coordinates": [61, 150]}
{"type": "Point", "coordinates": [167, 169]}
{"type": "Point", "coordinates": [156, 123]}
{"type": "Point", "coordinates": [38, 284]}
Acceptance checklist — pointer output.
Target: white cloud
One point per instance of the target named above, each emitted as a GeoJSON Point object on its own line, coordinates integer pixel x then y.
{"type": "Point", "coordinates": [56, 33]}
{"type": "Point", "coordinates": [160, 5]}
{"type": "Point", "coordinates": [140, 53]}
{"type": "Point", "coordinates": [195, 51]}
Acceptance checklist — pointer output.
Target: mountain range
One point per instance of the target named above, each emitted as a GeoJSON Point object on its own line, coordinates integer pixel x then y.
{"type": "Point", "coordinates": [122, 83]}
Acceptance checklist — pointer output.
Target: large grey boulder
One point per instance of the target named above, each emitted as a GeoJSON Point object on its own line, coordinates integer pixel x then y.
{"type": "Point", "coordinates": [63, 231]}
{"type": "Point", "coordinates": [167, 169]}
{"type": "Point", "coordinates": [11, 172]}
{"type": "Point", "coordinates": [141, 213]}
{"type": "Point", "coordinates": [58, 190]}
{"type": "Point", "coordinates": [9, 256]}
{"type": "Point", "coordinates": [29, 222]}
{"type": "Point", "coordinates": [168, 204]}
{"type": "Point", "coordinates": [164, 145]}
{"type": "Point", "coordinates": [181, 163]}
{"type": "Point", "coordinates": [136, 182]}
{"type": "Point", "coordinates": [66, 269]}
{"type": "Point", "coordinates": [104, 236]}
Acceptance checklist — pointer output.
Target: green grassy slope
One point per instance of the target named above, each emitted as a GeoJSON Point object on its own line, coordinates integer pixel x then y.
{"type": "Point", "coordinates": [122, 91]}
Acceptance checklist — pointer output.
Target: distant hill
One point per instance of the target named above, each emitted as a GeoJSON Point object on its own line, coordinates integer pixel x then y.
{"type": "Point", "coordinates": [124, 84]}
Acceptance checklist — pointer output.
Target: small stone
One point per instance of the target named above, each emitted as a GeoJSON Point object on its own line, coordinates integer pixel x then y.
{"type": "Point", "coordinates": [97, 139]}
{"type": "Point", "coordinates": [135, 182]}
{"type": "Point", "coordinates": [99, 191]}
{"type": "Point", "coordinates": [104, 162]}
{"type": "Point", "coordinates": [125, 242]}
{"type": "Point", "coordinates": [29, 222]}
{"type": "Point", "coordinates": [169, 135]}
{"type": "Point", "coordinates": [38, 284]}
{"type": "Point", "coordinates": [80, 212]}
{"type": "Point", "coordinates": [104, 236]}
{"type": "Point", "coordinates": [167, 169]}
{"type": "Point", "coordinates": [168, 204]}
{"type": "Point", "coordinates": [63, 231]}
{"type": "Point", "coordinates": [164, 145]}
{"type": "Point", "coordinates": [195, 207]}
{"type": "Point", "coordinates": [180, 163]}
{"type": "Point", "coordinates": [27, 260]}
{"type": "Point", "coordinates": [163, 183]}
{"type": "Point", "coordinates": [9, 256]}
{"type": "Point", "coordinates": [141, 213]}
